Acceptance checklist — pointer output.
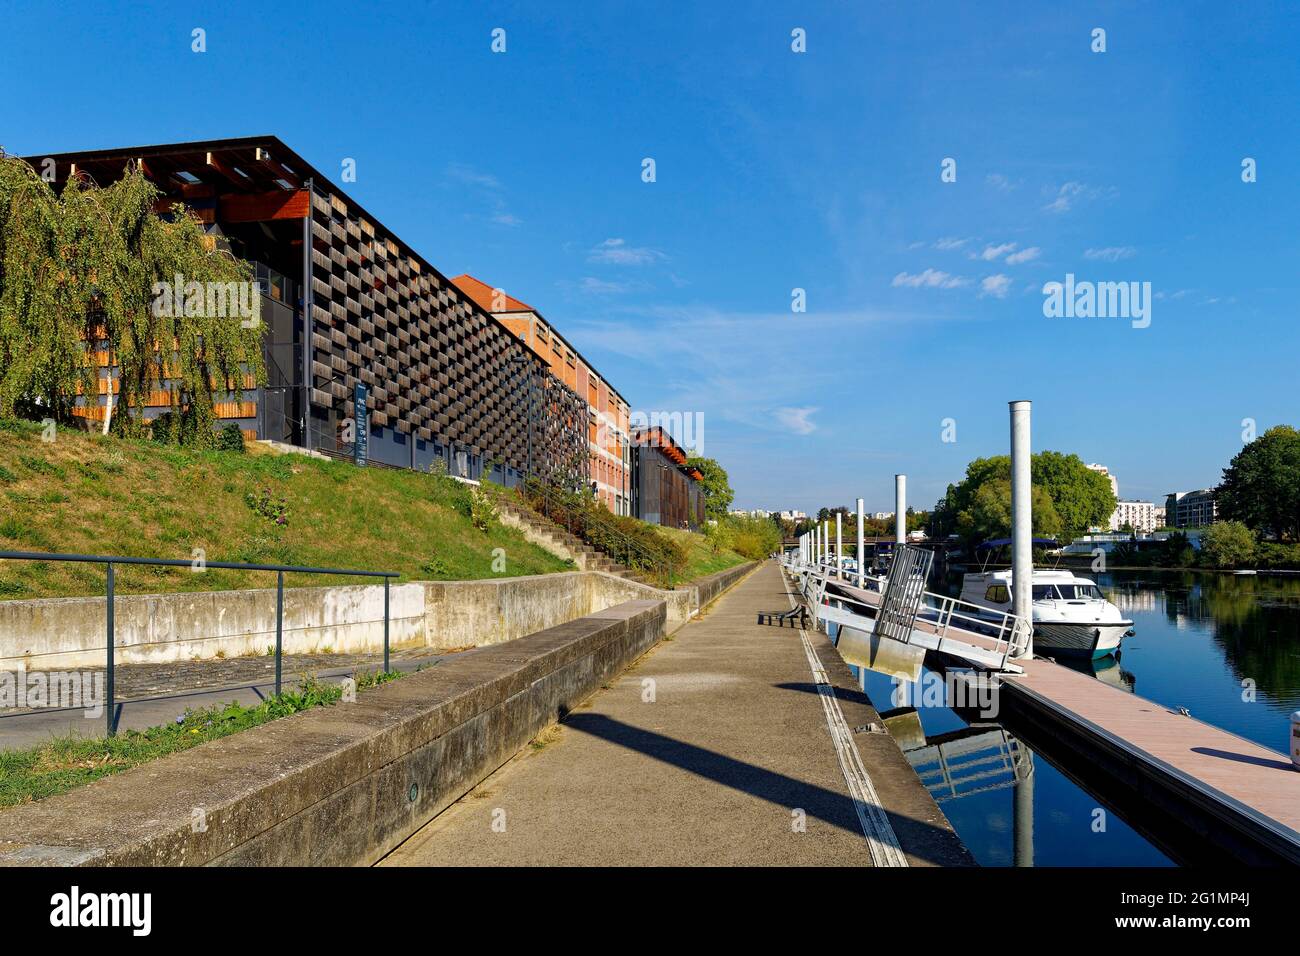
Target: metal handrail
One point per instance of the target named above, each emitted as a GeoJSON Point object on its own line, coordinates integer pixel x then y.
{"type": "Point", "coordinates": [111, 561]}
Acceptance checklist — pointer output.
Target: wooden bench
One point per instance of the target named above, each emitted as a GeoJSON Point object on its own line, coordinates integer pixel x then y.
{"type": "Point", "coordinates": [798, 616]}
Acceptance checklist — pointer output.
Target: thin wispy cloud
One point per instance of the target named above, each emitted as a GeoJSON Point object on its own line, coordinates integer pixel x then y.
{"type": "Point", "coordinates": [929, 279]}
{"type": "Point", "coordinates": [488, 189]}
{"type": "Point", "coordinates": [992, 252]}
{"type": "Point", "coordinates": [470, 176]}
{"type": "Point", "coordinates": [1024, 255]}
{"type": "Point", "coordinates": [618, 252]}
{"type": "Point", "coordinates": [1070, 194]}
{"type": "Point", "coordinates": [950, 242]}
{"type": "Point", "coordinates": [593, 286]}
{"type": "Point", "coordinates": [734, 366]}
{"type": "Point", "coordinates": [1110, 253]}
{"type": "Point", "coordinates": [1064, 199]}
{"type": "Point", "coordinates": [797, 420]}
{"type": "Point", "coordinates": [997, 286]}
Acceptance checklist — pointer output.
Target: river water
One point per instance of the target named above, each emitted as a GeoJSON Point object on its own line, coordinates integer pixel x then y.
{"type": "Point", "coordinates": [1226, 647]}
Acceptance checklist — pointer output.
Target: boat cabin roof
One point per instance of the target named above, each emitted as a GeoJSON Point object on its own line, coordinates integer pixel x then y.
{"type": "Point", "coordinates": [1041, 576]}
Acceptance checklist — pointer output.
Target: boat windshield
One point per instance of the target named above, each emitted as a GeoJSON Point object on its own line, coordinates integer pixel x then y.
{"type": "Point", "coordinates": [1045, 592]}
{"type": "Point", "coordinates": [1082, 592]}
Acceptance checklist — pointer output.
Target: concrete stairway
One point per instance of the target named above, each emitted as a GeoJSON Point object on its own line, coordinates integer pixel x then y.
{"type": "Point", "coordinates": [545, 533]}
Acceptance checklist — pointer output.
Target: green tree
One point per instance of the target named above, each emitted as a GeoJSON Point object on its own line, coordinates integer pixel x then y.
{"type": "Point", "coordinates": [1081, 496]}
{"type": "Point", "coordinates": [1261, 485]}
{"type": "Point", "coordinates": [989, 515]}
{"type": "Point", "coordinates": [717, 491]}
{"type": "Point", "coordinates": [755, 538]}
{"type": "Point", "coordinates": [78, 276]}
{"type": "Point", "coordinates": [1227, 544]}
{"type": "Point", "coordinates": [1067, 498]}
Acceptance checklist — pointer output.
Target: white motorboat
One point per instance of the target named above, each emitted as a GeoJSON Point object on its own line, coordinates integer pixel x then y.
{"type": "Point", "coordinates": [1071, 616]}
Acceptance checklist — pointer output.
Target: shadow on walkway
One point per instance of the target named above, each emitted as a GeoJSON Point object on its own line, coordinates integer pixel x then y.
{"type": "Point", "coordinates": [841, 693]}
{"type": "Point", "coordinates": [830, 806]}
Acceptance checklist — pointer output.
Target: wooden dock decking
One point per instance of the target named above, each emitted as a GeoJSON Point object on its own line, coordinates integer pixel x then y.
{"type": "Point", "coordinates": [1234, 782]}
{"type": "Point", "coordinates": [1247, 780]}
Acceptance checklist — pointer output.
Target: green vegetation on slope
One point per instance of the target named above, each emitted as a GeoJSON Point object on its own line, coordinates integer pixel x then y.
{"type": "Point", "coordinates": [91, 494]}
{"type": "Point", "coordinates": [64, 763]}
{"type": "Point", "coordinates": [702, 559]}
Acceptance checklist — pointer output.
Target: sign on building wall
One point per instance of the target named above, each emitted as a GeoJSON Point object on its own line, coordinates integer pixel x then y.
{"type": "Point", "coordinates": [361, 426]}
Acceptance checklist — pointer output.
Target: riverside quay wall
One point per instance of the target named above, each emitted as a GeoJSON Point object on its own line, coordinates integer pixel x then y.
{"type": "Point", "coordinates": [344, 785]}
{"type": "Point", "coordinates": [67, 633]}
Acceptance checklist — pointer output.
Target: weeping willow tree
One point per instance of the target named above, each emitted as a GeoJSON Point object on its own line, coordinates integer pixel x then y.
{"type": "Point", "coordinates": [88, 281]}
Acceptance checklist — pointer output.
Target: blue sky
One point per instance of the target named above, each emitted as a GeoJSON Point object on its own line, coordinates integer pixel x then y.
{"type": "Point", "coordinates": [775, 171]}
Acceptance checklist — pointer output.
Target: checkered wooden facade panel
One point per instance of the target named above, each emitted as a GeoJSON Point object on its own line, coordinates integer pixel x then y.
{"type": "Point", "coordinates": [437, 366]}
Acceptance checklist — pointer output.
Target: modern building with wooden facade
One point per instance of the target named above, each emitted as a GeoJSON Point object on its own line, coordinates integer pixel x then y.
{"type": "Point", "coordinates": [665, 489]}
{"type": "Point", "coordinates": [607, 411]}
{"type": "Point", "coordinates": [346, 303]}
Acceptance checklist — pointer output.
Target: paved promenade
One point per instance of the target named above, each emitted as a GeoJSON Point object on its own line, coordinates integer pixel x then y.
{"type": "Point", "coordinates": [732, 743]}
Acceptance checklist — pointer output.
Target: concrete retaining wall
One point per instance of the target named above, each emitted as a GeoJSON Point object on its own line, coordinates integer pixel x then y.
{"type": "Point", "coordinates": [64, 633]}
{"type": "Point", "coordinates": [67, 633]}
{"type": "Point", "coordinates": [705, 590]}
{"type": "Point", "coordinates": [340, 785]}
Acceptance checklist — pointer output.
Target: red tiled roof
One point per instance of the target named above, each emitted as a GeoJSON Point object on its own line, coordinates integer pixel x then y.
{"type": "Point", "coordinates": [483, 297]}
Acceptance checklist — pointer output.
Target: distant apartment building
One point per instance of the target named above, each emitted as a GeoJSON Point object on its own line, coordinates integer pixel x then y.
{"type": "Point", "coordinates": [761, 513]}
{"type": "Point", "coordinates": [882, 516]}
{"type": "Point", "coordinates": [1142, 516]}
{"type": "Point", "coordinates": [1191, 509]}
{"type": "Point", "coordinates": [607, 412]}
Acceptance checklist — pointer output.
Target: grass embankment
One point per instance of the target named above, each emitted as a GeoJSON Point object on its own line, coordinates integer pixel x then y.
{"type": "Point", "coordinates": [91, 494]}
{"type": "Point", "coordinates": [65, 763]}
{"type": "Point", "coordinates": [702, 559]}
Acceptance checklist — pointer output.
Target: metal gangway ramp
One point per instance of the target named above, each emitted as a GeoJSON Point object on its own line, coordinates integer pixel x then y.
{"type": "Point", "coordinates": [904, 590]}
{"type": "Point", "coordinates": [897, 619]}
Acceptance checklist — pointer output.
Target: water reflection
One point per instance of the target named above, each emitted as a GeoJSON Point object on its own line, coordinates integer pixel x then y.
{"type": "Point", "coordinates": [1225, 646]}
{"type": "Point", "coordinates": [1008, 802]}
{"type": "Point", "coordinates": [1107, 670]}
{"type": "Point", "coordinates": [964, 762]}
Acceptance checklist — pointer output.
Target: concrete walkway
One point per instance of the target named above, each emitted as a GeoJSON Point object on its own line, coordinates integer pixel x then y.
{"type": "Point", "coordinates": [718, 747]}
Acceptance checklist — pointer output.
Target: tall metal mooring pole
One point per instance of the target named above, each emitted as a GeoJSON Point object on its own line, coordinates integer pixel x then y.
{"type": "Point", "coordinates": [839, 545]}
{"type": "Point", "coordinates": [900, 510]}
{"type": "Point", "coordinates": [862, 567]}
{"type": "Point", "coordinates": [1022, 519]}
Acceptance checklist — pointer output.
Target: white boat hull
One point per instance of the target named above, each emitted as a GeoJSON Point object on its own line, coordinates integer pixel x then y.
{"type": "Point", "coordinates": [1094, 639]}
